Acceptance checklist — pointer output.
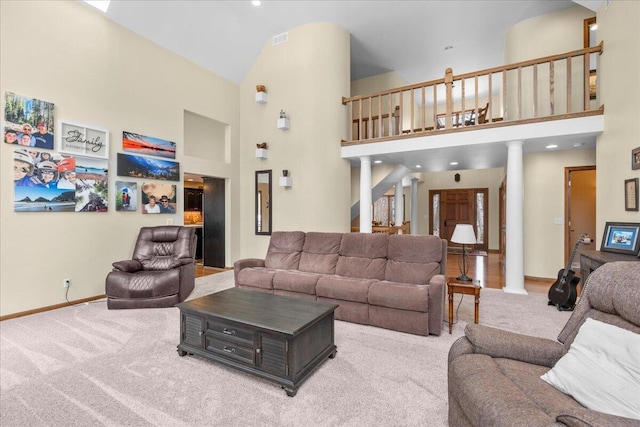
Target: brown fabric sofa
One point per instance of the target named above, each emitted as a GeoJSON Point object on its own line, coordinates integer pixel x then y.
{"type": "Point", "coordinates": [161, 272]}
{"type": "Point", "coordinates": [494, 375]}
{"type": "Point", "coordinates": [394, 282]}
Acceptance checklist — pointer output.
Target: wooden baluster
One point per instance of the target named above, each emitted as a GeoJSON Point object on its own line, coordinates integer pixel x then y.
{"type": "Point", "coordinates": [462, 104]}
{"type": "Point", "coordinates": [412, 112]}
{"type": "Point", "coordinates": [551, 88]}
{"type": "Point", "coordinates": [475, 108]}
{"type": "Point", "coordinates": [586, 88]}
{"type": "Point", "coordinates": [535, 90]}
{"type": "Point", "coordinates": [489, 115]}
{"type": "Point", "coordinates": [448, 81]}
{"type": "Point", "coordinates": [360, 129]}
{"type": "Point", "coordinates": [380, 116]}
{"type": "Point", "coordinates": [370, 122]}
{"type": "Point", "coordinates": [519, 93]}
{"type": "Point", "coordinates": [424, 108]}
{"type": "Point", "coordinates": [435, 106]}
{"type": "Point", "coordinates": [351, 118]}
{"type": "Point", "coordinates": [390, 110]}
{"type": "Point", "coordinates": [399, 127]}
{"type": "Point", "coordinates": [568, 85]}
{"type": "Point", "coordinates": [504, 94]}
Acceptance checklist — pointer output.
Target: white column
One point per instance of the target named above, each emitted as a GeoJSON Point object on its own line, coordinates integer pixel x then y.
{"type": "Point", "coordinates": [399, 205]}
{"type": "Point", "coordinates": [365, 194]}
{"type": "Point", "coordinates": [514, 274]}
{"type": "Point", "coordinates": [414, 205]}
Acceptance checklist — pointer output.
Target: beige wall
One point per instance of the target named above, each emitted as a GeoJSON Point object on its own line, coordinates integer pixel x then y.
{"type": "Point", "coordinates": [620, 93]}
{"type": "Point", "coordinates": [97, 72]}
{"type": "Point", "coordinates": [307, 78]}
{"type": "Point", "coordinates": [543, 202]}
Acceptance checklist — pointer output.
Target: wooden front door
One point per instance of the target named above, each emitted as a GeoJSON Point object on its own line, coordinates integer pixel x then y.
{"type": "Point", "coordinates": [580, 208]}
{"type": "Point", "coordinates": [457, 208]}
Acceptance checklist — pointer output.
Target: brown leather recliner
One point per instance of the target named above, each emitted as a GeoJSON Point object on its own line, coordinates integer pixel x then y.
{"type": "Point", "coordinates": [161, 272]}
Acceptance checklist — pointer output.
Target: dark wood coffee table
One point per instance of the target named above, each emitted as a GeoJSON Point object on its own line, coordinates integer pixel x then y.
{"type": "Point", "coordinates": [278, 338]}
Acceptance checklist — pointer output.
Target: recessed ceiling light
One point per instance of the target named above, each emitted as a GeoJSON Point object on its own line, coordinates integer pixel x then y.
{"type": "Point", "coordinates": [256, 3]}
{"type": "Point", "coordinates": [578, 144]}
{"type": "Point", "coordinates": [448, 47]}
{"type": "Point", "coordinates": [551, 146]}
{"type": "Point", "coordinates": [377, 161]}
{"type": "Point", "coordinates": [418, 166]}
{"type": "Point", "coordinates": [453, 163]}
{"type": "Point", "coordinates": [102, 5]}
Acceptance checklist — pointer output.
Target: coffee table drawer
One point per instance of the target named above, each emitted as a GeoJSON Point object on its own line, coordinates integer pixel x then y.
{"type": "Point", "coordinates": [230, 350]}
{"type": "Point", "coordinates": [228, 330]}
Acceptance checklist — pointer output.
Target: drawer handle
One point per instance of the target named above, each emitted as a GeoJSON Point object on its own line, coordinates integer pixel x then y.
{"type": "Point", "coordinates": [228, 350]}
{"type": "Point", "coordinates": [228, 332]}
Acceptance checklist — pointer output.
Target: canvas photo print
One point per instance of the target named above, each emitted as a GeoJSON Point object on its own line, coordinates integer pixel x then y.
{"type": "Point", "coordinates": [126, 196]}
{"type": "Point", "coordinates": [158, 198]}
{"type": "Point", "coordinates": [28, 121]}
{"type": "Point", "coordinates": [147, 167]}
{"type": "Point", "coordinates": [142, 144]}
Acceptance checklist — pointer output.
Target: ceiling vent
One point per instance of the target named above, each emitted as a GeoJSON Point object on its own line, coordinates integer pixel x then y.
{"type": "Point", "coordinates": [280, 38]}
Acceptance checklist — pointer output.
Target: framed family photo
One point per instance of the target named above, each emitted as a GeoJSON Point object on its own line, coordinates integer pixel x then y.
{"type": "Point", "coordinates": [621, 237]}
{"type": "Point", "coordinates": [83, 140]}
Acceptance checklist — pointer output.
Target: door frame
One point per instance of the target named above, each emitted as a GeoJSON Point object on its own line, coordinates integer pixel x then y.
{"type": "Point", "coordinates": [568, 246]}
{"type": "Point", "coordinates": [475, 191]}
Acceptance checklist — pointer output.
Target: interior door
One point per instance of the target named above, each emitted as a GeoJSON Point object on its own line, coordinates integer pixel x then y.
{"type": "Point", "coordinates": [457, 207]}
{"type": "Point", "coordinates": [580, 209]}
{"type": "Point", "coordinates": [214, 220]}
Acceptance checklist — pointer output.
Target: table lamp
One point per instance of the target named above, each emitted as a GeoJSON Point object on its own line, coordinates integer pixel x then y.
{"type": "Point", "coordinates": [463, 233]}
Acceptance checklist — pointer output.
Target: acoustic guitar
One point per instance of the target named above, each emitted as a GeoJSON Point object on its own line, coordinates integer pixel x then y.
{"type": "Point", "coordinates": [563, 292]}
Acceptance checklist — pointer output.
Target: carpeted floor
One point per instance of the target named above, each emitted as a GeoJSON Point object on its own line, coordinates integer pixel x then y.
{"type": "Point", "coordinates": [87, 366]}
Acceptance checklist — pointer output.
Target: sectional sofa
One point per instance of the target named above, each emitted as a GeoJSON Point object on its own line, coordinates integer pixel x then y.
{"type": "Point", "coordinates": [395, 282]}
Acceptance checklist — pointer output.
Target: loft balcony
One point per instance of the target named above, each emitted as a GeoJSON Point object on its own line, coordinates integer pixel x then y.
{"type": "Point", "coordinates": [531, 100]}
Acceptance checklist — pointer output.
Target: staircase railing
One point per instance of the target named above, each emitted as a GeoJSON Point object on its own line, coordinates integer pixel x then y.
{"type": "Point", "coordinates": [551, 87]}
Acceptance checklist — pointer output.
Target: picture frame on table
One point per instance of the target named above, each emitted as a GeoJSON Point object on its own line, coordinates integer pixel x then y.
{"type": "Point", "coordinates": [635, 158]}
{"type": "Point", "coordinates": [83, 140]}
{"type": "Point", "coordinates": [621, 237]}
{"type": "Point", "coordinates": [631, 194]}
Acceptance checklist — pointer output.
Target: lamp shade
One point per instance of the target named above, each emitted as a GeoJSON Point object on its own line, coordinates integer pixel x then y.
{"type": "Point", "coordinates": [463, 233]}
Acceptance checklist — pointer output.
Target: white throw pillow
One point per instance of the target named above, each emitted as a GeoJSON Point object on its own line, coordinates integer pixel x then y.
{"type": "Point", "coordinates": [601, 370]}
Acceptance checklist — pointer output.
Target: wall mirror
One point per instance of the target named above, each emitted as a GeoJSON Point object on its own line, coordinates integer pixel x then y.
{"type": "Point", "coordinates": [263, 202]}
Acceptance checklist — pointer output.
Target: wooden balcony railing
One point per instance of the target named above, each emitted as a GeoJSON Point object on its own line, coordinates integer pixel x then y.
{"type": "Point", "coordinates": [555, 86]}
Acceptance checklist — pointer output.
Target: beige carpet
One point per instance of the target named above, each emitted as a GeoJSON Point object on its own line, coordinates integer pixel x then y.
{"type": "Point", "coordinates": [89, 366]}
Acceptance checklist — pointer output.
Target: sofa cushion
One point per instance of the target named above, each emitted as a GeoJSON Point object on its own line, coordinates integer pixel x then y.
{"type": "Point", "coordinates": [256, 277]}
{"type": "Point", "coordinates": [284, 250]}
{"type": "Point", "coordinates": [144, 284]}
{"type": "Point", "coordinates": [601, 369]}
{"type": "Point", "coordinates": [403, 296]}
{"type": "Point", "coordinates": [488, 397]}
{"type": "Point", "coordinates": [320, 252]}
{"type": "Point", "coordinates": [343, 288]}
{"type": "Point", "coordinates": [413, 259]}
{"type": "Point", "coordinates": [363, 255]}
{"type": "Point", "coordinates": [296, 281]}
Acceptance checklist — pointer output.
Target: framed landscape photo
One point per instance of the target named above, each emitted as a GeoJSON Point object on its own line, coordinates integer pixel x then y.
{"type": "Point", "coordinates": [621, 237]}
{"type": "Point", "coordinates": [83, 140]}
{"type": "Point", "coordinates": [631, 194]}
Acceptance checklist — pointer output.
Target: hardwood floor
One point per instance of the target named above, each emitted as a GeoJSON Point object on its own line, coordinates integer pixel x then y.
{"type": "Point", "coordinates": [487, 269]}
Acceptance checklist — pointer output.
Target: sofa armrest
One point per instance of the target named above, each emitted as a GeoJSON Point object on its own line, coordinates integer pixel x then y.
{"type": "Point", "coordinates": [436, 303]}
{"type": "Point", "coordinates": [181, 262]}
{"type": "Point", "coordinates": [583, 417]}
{"type": "Point", "coordinates": [128, 266]}
{"type": "Point", "coordinates": [510, 345]}
{"type": "Point", "coordinates": [245, 263]}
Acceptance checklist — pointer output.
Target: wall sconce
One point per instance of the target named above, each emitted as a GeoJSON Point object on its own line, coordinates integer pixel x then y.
{"type": "Point", "coordinates": [285, 179]}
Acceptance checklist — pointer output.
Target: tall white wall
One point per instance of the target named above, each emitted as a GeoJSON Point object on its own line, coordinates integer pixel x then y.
{"type": "Point", "coordinates": [620, 93]}
{"type": "Point", "coordinates": [306, 77]}
{"type": "Point", "coordinates": [96, 72]}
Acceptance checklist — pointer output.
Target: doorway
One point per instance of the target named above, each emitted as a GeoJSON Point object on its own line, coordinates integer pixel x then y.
{"type": "Point", "coordinates": [447, 208]}
{"type": "Point", "coordinates": [580, 209]}
{"type": "Point", "coordinates": [213, 202]}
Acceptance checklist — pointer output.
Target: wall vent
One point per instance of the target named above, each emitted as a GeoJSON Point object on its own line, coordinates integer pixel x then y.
{"type": "Point", "coordinates": [280, 38]}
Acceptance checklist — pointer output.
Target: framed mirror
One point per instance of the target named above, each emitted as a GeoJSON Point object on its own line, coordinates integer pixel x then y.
{"type": "Point", "coordinates": [263, 202]}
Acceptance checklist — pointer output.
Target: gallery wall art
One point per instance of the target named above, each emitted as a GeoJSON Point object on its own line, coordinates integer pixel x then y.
{"type": "Point", "coordinates": [92, 185]}
{"type": "Point", "coordinates": [141, 144]}
{"type": "Point", "coordinates": [126, 196]}
{"type": "Point", "coordinates": [158, 198]}
{"type": "Point", "coordinates": [28, 121]}
{"type": "Point", "coordinates": [83, 140]}
{"type": "Point", "coordinates": [147, 167]}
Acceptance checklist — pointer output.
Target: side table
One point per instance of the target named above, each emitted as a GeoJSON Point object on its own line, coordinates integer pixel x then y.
{"type": "Point", "coordinates": [454, 286]}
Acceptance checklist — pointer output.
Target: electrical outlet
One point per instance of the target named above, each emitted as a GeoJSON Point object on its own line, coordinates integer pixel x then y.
{"type": "Point", "coordinates": [66, 283]}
